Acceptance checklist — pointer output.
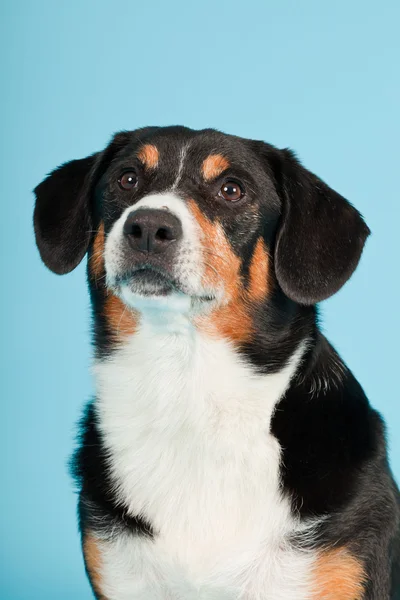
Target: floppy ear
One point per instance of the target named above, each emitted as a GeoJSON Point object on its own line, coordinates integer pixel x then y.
{"type": "Point", "coordinates": [321, 235]}
{"type": "Point", "coordinates": [62, 217]}
{"type": "Point", "coordinates": [63, 210]}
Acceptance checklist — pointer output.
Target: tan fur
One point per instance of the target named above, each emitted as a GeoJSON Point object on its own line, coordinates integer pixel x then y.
{"type": "Point", "coordinates": [149, 156]}
{"type": "Point", "coordinates": [122, 320]}
{"type": "Point", "coordinates": [96, 264]}
{"type": "Point", "coordinates": [92, 554]}
{"type": "Point", "coordinates": [232, 320]}
{"type": "Point", "coordinates": [338, 576]}
{"type": "Point", "coordinates": [259, 272]}
{"type": "Point", "coordinates": [213, 166]}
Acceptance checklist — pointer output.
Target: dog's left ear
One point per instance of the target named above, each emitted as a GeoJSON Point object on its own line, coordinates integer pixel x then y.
{"type": "Point", "coordinates": [321, 235]}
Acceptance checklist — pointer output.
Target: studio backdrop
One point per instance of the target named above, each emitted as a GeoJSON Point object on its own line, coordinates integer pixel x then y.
{"type": "Point", "coordinates": [319, 77]}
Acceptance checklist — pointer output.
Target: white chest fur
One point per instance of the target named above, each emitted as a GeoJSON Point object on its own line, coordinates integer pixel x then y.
{"type": "Point", "coordinates": [187, 426]}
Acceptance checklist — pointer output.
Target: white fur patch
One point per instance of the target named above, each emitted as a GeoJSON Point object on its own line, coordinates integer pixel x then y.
{"type": "Point", "coordinates": [182, 156]}
{"type": "Point", "coordinates": [187, 426]}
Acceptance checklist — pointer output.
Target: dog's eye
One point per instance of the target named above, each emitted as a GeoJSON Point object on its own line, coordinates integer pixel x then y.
{"type": "Point", "coordinates": [128, 180]}
{"type": "Point", "coordinates": [231, 191]}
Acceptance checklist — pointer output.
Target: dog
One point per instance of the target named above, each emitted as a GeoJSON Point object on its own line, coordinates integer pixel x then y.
{"type": "Point", "coordinates": [229, 452]}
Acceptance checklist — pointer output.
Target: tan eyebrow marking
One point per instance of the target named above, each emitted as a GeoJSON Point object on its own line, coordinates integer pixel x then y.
{"type": "Point", "coordinates": [149, 156]}
{"type": "Point", "coordinates": [213, 166]}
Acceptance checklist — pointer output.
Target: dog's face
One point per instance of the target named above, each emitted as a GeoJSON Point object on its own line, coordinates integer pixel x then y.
{"type": "Point", "coordinates": [211, 225]}
{"type": "Point", "coordinates": [186, 218]}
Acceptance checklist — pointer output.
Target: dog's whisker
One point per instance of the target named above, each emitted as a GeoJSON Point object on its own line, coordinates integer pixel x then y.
{"type": "Point", "coordinates": [120, 320]}
{"type": "Point", "coordinates": [207, 264]}
{"type": "Point", "coordinates": [216, 255]}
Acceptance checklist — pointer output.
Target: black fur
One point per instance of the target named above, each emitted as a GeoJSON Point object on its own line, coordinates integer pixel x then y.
{"type": "Point", "coordinates": [97, 505]}
{"type": "Point", "coordinates": [63, 218]}
{"type": "Point", "coordinates": [334, 460]}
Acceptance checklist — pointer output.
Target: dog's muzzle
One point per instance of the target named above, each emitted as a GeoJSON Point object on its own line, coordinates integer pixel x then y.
{"type": "Point", "coordinates": [151, 238]}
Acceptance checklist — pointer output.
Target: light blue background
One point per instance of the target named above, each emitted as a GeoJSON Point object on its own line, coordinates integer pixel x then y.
{"type": "Point", "coordinates": [321, 77]}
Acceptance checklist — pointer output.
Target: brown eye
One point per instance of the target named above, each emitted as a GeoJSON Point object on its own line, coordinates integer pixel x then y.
{"type": "Point", "coordinates": [128, 180]}
{"type": "Point", "coordinates": [231, 191]}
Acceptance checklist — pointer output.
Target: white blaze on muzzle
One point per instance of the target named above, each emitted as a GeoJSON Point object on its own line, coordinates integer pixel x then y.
{"type": "Point", "coordinates": [188, 267]}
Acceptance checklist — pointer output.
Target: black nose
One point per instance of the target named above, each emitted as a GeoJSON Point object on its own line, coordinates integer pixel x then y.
{"type": "Point", "coordinates": [152, 230]}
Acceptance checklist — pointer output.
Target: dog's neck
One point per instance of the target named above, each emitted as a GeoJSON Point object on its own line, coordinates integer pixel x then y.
{"type": "Point", "coordinates": [278, 327]}
{"type": "Point", "coordinates": [169, 358]}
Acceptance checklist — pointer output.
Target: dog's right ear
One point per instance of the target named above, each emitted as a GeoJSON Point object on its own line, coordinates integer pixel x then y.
{"type": "Point", "coordinates": [64, 206]}
{"type": "Point", "coordinates": [62, 217]}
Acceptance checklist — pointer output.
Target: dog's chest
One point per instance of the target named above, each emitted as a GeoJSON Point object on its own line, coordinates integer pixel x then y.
{"type": "Point", "coordinates": [187, 426]}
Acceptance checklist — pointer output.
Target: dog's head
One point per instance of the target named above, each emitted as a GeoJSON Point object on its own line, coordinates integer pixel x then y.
{"type": "Point", "coordinates": [210, 224]}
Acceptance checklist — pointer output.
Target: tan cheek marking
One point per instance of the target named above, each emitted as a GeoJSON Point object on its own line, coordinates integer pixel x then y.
{"type": "Point", "coordinates": [148, 155]}
{"type": "Point", "coordinates": [96, 263]}
{"type": "Point", "coordinates": [93, 563]}
{"type": "Point", "coordinates": [259, 272]}
{"type": "Point", "coordinates": [221, 264]}
{"type": "Point", "coordinates": [338, 576]}
{"type": "Point", "coordinates": [232, 320]}
{"type": "Point", "coordinates": [121, 319]}
{"type": "Point", "coordinates": [213, 166]}
{"type": "Point", "coordinates": [217, 266]}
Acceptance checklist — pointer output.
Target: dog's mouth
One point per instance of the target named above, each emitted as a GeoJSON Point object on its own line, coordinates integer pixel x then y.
{"type": "Point", "coordinates": [149, 281]}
